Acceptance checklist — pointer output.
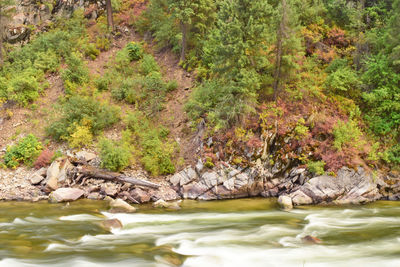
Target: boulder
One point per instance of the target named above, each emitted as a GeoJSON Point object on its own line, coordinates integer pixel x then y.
{"type": "Point", "coordinates": [94, 196]}
{"type": "Point", "coordinates": [140, 195]}
{"type": "Point", "coordinates": [86, 156]}
{"type": "Point", "coordinates": [166, 205]}
{"type": "Point", "coordinates": [350, 186]}
{"type": "Point", "coordinates": [120, 205]}
{"type": "Point", "coordinates": [36, 178]}
{"type": "Point", "coordinates": [285, 202]}
{"type": "Point", "coordinates": [52, 176]}
{"type": "Point", "coordinates": [308, 239]}
{"type": "Point", "coordinates": [65, 194]}
{"type": "Point", "coordinates": [109, 189]}
{"type": "Point", "coordinates": [110, 224]}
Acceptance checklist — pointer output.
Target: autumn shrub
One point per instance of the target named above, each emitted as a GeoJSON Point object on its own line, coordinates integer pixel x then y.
{"type": "Point", "coordinates": [44, 159]}
{"type": "Point", "coordinates": [25, 151]}
{"type": "Point", "coordinates": [83, 110]}
{"type": "Point", "coordinates": [114, 156]}
{"type": "Point", "coordinates": [155, 151]}
{"type": "Point", "coordinates": [80, 135]}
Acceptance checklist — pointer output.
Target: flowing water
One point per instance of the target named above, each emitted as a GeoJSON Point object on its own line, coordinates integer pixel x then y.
{"type": "Point", "coordinates": [245, 232]}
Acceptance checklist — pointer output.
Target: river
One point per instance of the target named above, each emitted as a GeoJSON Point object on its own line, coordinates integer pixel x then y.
{"type": "Point", "coordinates": [244, 232]}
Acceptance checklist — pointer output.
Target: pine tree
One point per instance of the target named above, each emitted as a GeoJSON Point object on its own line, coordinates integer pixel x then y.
{"type": "Point", "coordinates": [288, 44]}
{"type": "Point", "coordinates": [236, 48]}
{"type": "Point", "coordinates": [3, 14]}
{"type": "Point", "coordinates": [393, 35]}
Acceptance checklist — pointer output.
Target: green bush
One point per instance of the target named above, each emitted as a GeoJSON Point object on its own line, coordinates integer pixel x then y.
{"type": "Point", "coordinates": [47, 62]}
{"type": "Point", "coordinates": [102, 83]}
{"type": "Point", "coordinates": [25, 151]}
{"type": "Point", "coordinates": [148, 64]}
{"type": "Point", "coordinates": [344, 81]}
{"type": "Point", "coordinates": [156, 152]}
{"type": "Point", "coordinates": [316, 167]}
{"type": "Point", "coordinates": [347, 133]}
{"type": "Point", "coordinates": [82, 110]}
{"type": "Point", "coordinates": [23, 89]}
{"type": "Point", "coordinates": [171, 85]}
{"type": "Point", "coordinates": [135, 51]}
{"type": "Point", "coordinates": [114, 156]}
{"type": "Point", "coordinates": [394, 154]}
{"type": "Point", "coordinates": [77, 72]}
{"type": "Point", "coordinates": [91, 51]}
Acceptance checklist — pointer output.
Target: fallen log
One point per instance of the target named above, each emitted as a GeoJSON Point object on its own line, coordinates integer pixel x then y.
{"type": "Point", "coordinates": [88, 171]}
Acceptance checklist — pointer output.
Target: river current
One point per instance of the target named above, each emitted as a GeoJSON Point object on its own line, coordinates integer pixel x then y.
{"type": "Point", "coordinates": [244, 232]}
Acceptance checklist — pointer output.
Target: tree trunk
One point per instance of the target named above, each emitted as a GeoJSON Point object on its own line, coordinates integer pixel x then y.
{"type": "Point", "coordinates": [281, 32]}
{"type": "Point", "coordinates": [184, 29]}
{"type": "Point", "coordinates": [110, 21]}
{"type": "Point", "coordinates": [88, 171]}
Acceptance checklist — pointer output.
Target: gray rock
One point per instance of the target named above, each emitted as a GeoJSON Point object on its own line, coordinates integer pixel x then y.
{"type": "Point", "coordinates": [348, 187]}
{"type": "Point", "coordinates": [210, 179]}
{"type": "Point", "coordinates": [285, 202]}
{"type": "Point", "coordinates": [65, 194]}
{"type": "Point", "coordinates": [120, 205]}
{"type": "Point", "coordinates": [193, 190]}
{"type": "Point", "coordinates": [140, 195]}
{"type": "Point", "coordinates": [176, 178]}
{"type": "Point", "coordinates": [199, 166]}
{"type": "Point", "coordinates": [190, 175]}
{"type": "Point", "coordinates": [86, 156]}
{"type": "Point", "coordinates": [94, 196]}
{"type": "Point", "coordinates": [52, 175]}
{"type": "Point", "coordinates": [36, 178]}
{"type": "Point", "coordinates": [229, 184]}
{"type": "Point", "coordinates": [241, 180]}
{"type": "Point", "coordinates": [109, 189]}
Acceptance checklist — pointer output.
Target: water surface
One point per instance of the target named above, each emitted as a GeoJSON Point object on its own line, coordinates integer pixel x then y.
{"type": "Point", "coordinates": [245, 232]}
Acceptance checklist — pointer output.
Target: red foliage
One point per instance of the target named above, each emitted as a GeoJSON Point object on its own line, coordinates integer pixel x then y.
{"type": "Point", "coordinates": [337, 37]}
{"type": "Point", "coordinates": [254, 142]}
{"type": "Point", "coordinates": [44, 159]}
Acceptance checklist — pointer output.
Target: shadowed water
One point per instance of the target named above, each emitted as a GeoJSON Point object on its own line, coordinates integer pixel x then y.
{"type": "Point", "coordinates": [245, 232]}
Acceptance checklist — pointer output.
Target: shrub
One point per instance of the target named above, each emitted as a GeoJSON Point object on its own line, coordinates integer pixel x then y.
{"type": "Point", "coordinates": [47, 61]}
{"type": "Point", "coordinates": [80, 136]}
{"type": "Point", "coordinates": [114, 156]}
{"type": "Point", "coordinates": [102, 83]}
{"type": "Point", "coordinates": [347, 134]}
{"type": "Point", "coordinates": [394, 154]}
{"type": "Point", "coordinates": [156, 152]}
{"type": "Point", "coordinates": [135, 51]}
{"type": "Point", "coordinates": [77, 72]}
{"type": "Point", "coordinates": [343, 81]}
{"type": "Point", "coordinates": [24, 89]}
{"type": "Point", "coordinates": [316, 167]}
{"type": "Point", "coordinates": [91, 51]}
{"type": "Point", "coordinates": [83, 111]}
{"type": "Point", "coordinates": [44, 159]}
{"type": "Point", "coordinates": [171, 86]}
{"type": "Point", "coordinates": [25, 151]}
{"type": "Point", "coordinates": [148, 64]}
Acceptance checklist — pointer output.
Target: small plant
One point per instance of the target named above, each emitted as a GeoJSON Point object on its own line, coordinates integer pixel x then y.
{"type": "Point", "coordinates": [114, 156]}
{"type": "Point", "coordinates": [316, 167]}
{"type": "Point", "coordinates": [44, 159]}
{"type": "Point", "coordinates": [171, 86]}
{"type": "Point", "coordinates": [148, 64]}
{"type": "Point", "coordinates": [25, 151]}
{"type": "Point", "coordinates": [135, 51]}
{"type": "Point", "coordinates": [347, 133]}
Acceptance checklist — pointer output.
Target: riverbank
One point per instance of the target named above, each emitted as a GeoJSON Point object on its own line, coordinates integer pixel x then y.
{"type": "Point", "coordinates": [297, 187]}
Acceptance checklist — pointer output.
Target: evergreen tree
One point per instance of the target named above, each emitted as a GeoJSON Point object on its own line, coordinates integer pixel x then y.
{"type": "Point", "coordinates": [393, 35]}
{"type": "Point", "coordinates": [4, 12]}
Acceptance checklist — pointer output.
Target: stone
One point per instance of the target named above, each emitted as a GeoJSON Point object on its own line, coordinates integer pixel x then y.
{"type": "Point", "coordinates": [199, 166]}
{"type": "Point", "coordinates": [209, 179]}
{"type": "Point", "coordinates": [94, 196]}
{"type": "Point", "coordinates": [64, 167]}
{"type": "Point", "coordinates": [110, 224]}
{"type": "Point", "coordinates": [193, 190]}
{"type": "Point", "coordinates": [190, 175]}
{"type": "Point", "coordinates": [299, 198]}
{"type": "Point", "coordinates": [140, 195]}
{"type": "Point", "coordinates": [166, 205]}
{"type": "Point", "coordinates": [229, 184]}
{"type": "Point", "coordinates": [52, 176]}
{"type": "Point", "coordinates": [109, 189]}
{"type": "Point", "coordinates": [65, 195]}
{"type": "Point", "coordinates": [36, 179]}
{"type": "Point", "coordinates": [285, 202]}
{"type": "Point", "coordinates": [120, 205]}
{"type": "Point", "coordinates": [176, 178]}
{"type": "Point", "coordinates": [86, 156]}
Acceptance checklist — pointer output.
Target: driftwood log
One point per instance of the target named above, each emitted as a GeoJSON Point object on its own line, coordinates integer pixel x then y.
{"type": "Point", "coordinates": [92, 172]}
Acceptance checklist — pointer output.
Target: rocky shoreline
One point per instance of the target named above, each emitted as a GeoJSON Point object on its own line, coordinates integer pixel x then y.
{"type": "Point", "coordinates": [295, 187]}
